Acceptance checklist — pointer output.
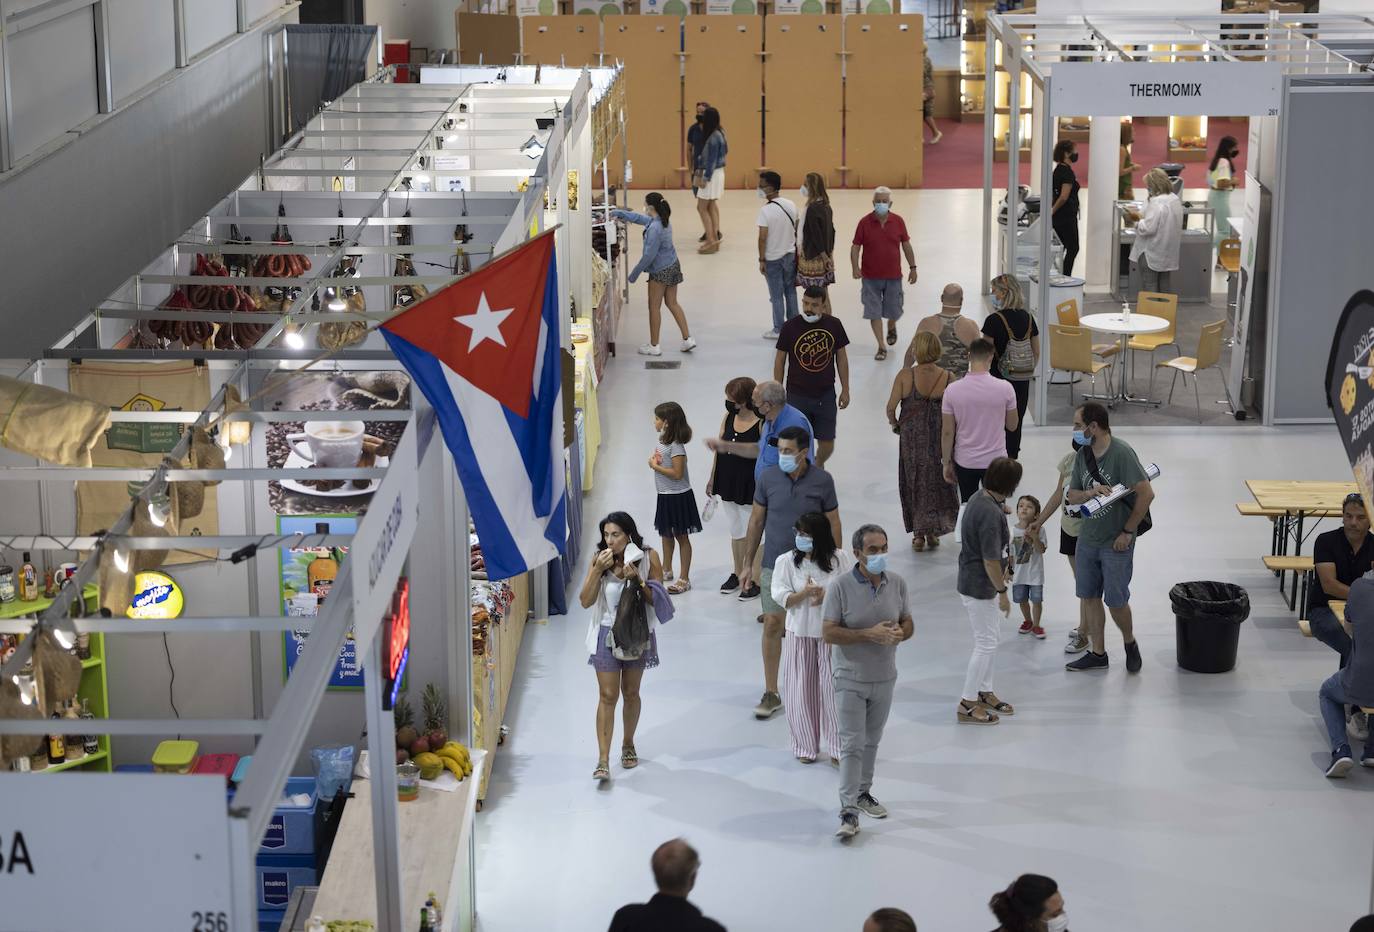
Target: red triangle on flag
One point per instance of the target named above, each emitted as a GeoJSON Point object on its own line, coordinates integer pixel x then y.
{"type": "Point", "coordinates": [485, 326]}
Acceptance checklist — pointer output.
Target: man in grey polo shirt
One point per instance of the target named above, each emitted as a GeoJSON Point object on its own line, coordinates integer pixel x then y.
{"type": "Point", "coordinates": [782, 494]}
{"type": "Point", "coordinates": [866, 615]}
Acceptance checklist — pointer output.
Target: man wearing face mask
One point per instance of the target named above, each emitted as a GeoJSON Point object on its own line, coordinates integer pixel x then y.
{"type": "Point", "coordinates": [880, 240]}
{"type": "Point", "coordinates": [866, 615]}
{"type": "Point", "coordinates": [782, 494]}
{"type": "Point", "coordinates": [777, 223]}
{"type": "Point", "coordinates": [768, 401]}
{"type": "Point", "coordinates": [811, 351]}
{"type": "Point", "coordinates": [1105, 554]}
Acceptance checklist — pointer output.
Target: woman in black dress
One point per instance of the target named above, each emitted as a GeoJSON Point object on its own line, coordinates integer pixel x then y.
{"type": "Point", "coordinates": [1010, 328]}
{"type": "Point", "coordinates": [732, 478]}
{"type": "Point", "coordinates": [1064, 212]}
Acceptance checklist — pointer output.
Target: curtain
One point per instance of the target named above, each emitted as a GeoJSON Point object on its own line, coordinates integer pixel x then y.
{"type": "Point", "coordinates": [322, 62]}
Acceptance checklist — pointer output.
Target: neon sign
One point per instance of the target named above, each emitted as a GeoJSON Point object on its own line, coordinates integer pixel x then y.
{"type": "Point", "coordinates": [397, 627]}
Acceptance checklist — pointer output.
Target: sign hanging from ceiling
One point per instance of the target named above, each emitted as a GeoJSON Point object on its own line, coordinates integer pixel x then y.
{"type": "Point", "coordinates": [1167, 88]}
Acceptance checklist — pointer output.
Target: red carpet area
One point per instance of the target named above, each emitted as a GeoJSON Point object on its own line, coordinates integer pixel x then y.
{"type": "Point", "coordinates": [957, 162]}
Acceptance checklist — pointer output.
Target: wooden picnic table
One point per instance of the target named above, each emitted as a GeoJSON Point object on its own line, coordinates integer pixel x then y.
{"type": "Point", "coordinates": [1299, 498]}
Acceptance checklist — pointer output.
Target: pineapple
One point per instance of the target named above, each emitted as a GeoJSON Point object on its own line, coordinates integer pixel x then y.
{"type": "Point", "coordinates": [436, 716]}
{"type": "Point", "coordinates": [404, 717]}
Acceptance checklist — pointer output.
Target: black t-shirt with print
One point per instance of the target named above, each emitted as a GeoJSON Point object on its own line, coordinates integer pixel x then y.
{"type": "Point", "coordinates": [811, 350]}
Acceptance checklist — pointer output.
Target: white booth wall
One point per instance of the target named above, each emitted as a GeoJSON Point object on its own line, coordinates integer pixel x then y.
{"type": "Point", "coordinates": [113, 196]}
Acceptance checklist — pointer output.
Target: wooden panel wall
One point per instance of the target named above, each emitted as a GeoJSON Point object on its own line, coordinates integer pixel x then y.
{"type": "Point", "coordinates": [648, 47]}
{"type": "Point", "coordinates": [804, 96]}
{"type": "Point", "coordinates": [883, 100]}
{"type": "Point", "coordinates": [725, 67]}
{"type": "Point", "coordinates": [572, 41]}
{"type": "Point", "coordinates": [487, 39]}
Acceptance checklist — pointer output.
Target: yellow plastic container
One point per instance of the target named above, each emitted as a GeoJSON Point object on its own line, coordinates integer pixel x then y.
{"type": "Point", "coordinates": [175, 756]}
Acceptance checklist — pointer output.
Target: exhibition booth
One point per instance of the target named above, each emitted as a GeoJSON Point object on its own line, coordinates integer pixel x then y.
{"type": "Point", "coordinates": [255, 566]}
{"type": "Point", "coordinates": [1259, 311]}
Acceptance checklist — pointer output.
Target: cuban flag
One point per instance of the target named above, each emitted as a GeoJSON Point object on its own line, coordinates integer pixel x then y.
{"type": "Point", "coordinates": [484, 351]}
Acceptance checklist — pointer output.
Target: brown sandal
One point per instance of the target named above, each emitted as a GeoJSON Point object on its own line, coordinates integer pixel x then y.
{"type": "Point", "coordinates": [918, 544]}
{"type": "Point", "coordinates": [974, 714]}
{"type": "Point", "coordinates": [881, 354]}
{"type": "Point", "coordinates": [990, 702]}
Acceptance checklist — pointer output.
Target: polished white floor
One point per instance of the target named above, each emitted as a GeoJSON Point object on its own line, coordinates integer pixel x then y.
{"type": "Point", "coordinates": [1166, 800]}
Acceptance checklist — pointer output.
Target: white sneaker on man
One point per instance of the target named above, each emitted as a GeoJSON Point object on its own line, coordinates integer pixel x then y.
{"type": "Point", "coordinates": [649, 349]}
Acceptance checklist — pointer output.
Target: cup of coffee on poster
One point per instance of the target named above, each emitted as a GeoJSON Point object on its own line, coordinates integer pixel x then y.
{"type": "Point", "coordinates": [329, 444]}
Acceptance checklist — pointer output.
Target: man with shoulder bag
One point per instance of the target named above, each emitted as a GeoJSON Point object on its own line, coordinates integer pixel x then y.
{"type": "Point", "coordinates": [1106, 538]}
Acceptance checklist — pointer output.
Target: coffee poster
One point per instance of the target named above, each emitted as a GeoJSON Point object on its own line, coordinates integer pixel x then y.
{"type": "Point", "coordinates": [338, 443]}
{"type": "Point", "coordinates": [1350, 386]}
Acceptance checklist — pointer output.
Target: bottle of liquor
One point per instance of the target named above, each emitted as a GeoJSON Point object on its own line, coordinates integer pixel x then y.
{"type": "Point", "coordinates": [322, 570]}
{"type": "Point", "coordinates": [425, 924]}
{"type": "Point", "coordinates": [74, 740]}
{"type": "Point", "coordinates": [91, 742]}
{"type": "Point", "coordinates": [28, 580]}
{"type": "Point", "coordinates": [57, 745]}
{"type": "Point", "coordinates": [432, 904]}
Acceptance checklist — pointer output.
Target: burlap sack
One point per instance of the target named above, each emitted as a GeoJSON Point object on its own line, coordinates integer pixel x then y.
{"type": "Point", "coordinates": [341, 334]}
{"type": "Point", "coordinates": [172, 386]}
{"type": "Point", "coordinates": [13, 747]}
{"type": "Point", "coordinates": [48, 423]}
{"type": "Point", "coordinates": [59, 670]}
{"type": "Point", "coordinates": [116, 586]}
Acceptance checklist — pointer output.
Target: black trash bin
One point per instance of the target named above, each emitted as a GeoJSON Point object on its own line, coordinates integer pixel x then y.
{"type": "Point", "coordinates": [1207, 618]}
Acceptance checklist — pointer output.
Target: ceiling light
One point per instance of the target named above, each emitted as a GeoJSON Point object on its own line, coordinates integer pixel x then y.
{"type": "Point", "coordinates": [293, 338]}
{"type": "Point", "coordinates": [159, 509]}
{"type": "Point", "coordinates": [121, 559]}
{"type": "Point", "coordinates": [334, 301]}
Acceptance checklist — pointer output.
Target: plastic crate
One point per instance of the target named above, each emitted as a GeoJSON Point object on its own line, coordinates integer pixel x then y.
{"type": "Point", "coordinates": [278, 875]}
{"type": "Point", "coordinates": [220, 764]}
{"type": "Point", "coordinates": [293, 830]}
{"type": "Point", "coordinates": [270, 920]}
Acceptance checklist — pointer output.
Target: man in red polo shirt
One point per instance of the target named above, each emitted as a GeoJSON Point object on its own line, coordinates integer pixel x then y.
{"type": "Point", "coordinates": [876, 255]}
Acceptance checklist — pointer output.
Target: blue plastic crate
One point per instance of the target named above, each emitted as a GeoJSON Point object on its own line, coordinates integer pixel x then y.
{"type": "Point", "coordinates": [134, 768]}
{"type": "Point", "coordinates": [278, 875]}
{"type": "Point", "coordinates": [270, 920]}
{"type": "Point", "coordinates": [292, 830]}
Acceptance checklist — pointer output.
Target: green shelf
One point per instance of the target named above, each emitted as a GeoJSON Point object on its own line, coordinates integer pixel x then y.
{"type": "Point", "coordinates": [88, 759]}
{"type": "Point", "coordinates": [91, 662]}
{"type": "Point", "coordinates": [20, 609]}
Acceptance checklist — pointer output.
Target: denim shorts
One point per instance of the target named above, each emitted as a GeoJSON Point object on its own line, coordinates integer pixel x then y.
{"type": "Point", "coordinates": [1034, 594]}
{"type": "Point", "coordinates": [1104, 574]}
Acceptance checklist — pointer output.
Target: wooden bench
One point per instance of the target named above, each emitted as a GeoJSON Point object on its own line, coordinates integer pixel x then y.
{"type": "Point", "coordinates": [1282, 519]}
{"type": "Point", "coordinates": [1337, 608]}
{"type": "Point", "coordinates": [1301, 568]}
{"type": "Point", "coordinates": [1253, 510]}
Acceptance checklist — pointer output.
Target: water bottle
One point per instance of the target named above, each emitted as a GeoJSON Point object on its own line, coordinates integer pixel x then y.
{"type": "Point", "coordinates": [1126, 312]}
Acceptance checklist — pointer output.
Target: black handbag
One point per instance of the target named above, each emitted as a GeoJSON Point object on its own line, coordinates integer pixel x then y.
{"type": "Point", "coordinates": [630, 632]}
{"type": "Point", "coordinates": [1090, 461]}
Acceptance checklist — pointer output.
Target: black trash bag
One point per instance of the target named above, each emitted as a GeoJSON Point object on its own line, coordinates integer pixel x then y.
{"type": "Point", "coordinates": [1207, 619]}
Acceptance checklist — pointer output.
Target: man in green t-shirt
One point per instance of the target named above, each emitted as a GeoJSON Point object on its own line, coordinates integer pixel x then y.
{"type": "Point", "coordinates": [1106, 538]}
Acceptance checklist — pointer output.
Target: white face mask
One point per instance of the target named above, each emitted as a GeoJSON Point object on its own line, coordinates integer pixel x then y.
{"type": "Point", "coordinates": [802, 191]}
{"type": "Point", "coordinates": [762, 196]}
{"type": "Point", "coordinates": [815, 318]}
{"type": "Point", "coordinates": [1059, 923]}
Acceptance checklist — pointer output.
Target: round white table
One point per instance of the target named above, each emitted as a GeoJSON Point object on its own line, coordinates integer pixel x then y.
{"type": "Point", "coordinates": [1118, 325]}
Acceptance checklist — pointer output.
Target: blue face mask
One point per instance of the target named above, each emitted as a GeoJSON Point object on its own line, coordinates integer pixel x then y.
{"type": "Point", "coordinates": [996, 302]}
{"type": "Point", "coordinates": [875, 563]}
{"type": "Point", "coordinates": [1080, 438]}
{"type": "Point", "coordinates": [881, 208]}
{"type": "Point", "coordinates": [787, 462]}
{"type": "Point", "coordinates": [804, 544]}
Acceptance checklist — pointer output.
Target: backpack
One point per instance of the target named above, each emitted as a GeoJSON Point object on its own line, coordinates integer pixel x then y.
{"type": "Point", "coordinates": [1018, 360]}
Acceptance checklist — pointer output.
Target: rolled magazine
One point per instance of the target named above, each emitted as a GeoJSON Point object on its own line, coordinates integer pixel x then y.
{"type": "Point", "coordinates": [1094, 505]}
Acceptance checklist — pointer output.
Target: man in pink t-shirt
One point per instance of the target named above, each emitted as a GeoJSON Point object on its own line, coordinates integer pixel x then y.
{"type": "Point", "coordinates": [978, 411]}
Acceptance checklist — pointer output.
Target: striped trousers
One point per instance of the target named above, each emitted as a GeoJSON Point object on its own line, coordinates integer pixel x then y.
{"type": "Point", "coordinates": [808, 697]}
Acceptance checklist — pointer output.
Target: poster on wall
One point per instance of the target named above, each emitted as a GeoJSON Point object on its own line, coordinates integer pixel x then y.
{"type": "Point", "coordinates": [155, 386]}
{"type": "Point", "coordinates": [1350, 386]}
{"type": "Point", "coordinates": [599, 7]}
{"type": "Point", "coordinates": [536, 7]}
{"type": "Point", "coordinates": [340, 444]}
{"type": "Point", "coordinates": [741, 7]}
{"type": "Point", "coordinates": [307, 575]}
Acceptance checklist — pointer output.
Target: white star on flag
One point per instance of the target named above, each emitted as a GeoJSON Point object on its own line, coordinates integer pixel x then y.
{"type": "Point", "coordinates": [484, 323]}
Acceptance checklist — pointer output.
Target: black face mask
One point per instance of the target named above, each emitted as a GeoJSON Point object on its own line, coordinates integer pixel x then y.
{"type": "Point", "coordinates": [731, 407]}
{"type": "Point", "coordinates": [755, 408]}
{"type": "Point", "coordinates": [1073, 156]}
{"type": "Point", "coordinates": [1076, 445]}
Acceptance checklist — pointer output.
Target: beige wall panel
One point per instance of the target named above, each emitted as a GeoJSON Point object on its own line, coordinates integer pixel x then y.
{"type": "Point", "coordinates": [725, 67]}
{"type": "Point", "coordinates": [883, 100]}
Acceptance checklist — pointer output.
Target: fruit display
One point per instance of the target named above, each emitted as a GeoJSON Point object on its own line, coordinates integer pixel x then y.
{"type": "Point", "coordinates": [436, 716]}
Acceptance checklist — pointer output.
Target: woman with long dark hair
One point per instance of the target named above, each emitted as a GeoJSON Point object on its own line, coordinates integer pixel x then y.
{"type": "Point", "coordinates": [1221, 181]}
{"type": "Point", "coordinates": [659, 259]}
{"type": "Point", "coordinates": [732, 480]}
{"type": "Point", "coordinates": [1064, 209]}
{"type": "Point", "coordinates": [800, 579]}
{"type": "Point", "coordinates": [610, 572]}
{"type": "Point", "coordinates": [1125, 191]}
{"type": "Point", "coordinates": [816, 237]}
{"type": "Point", "coordinates": [1032, 903]}
{"type": "Point", "coordinates": [709, 178]}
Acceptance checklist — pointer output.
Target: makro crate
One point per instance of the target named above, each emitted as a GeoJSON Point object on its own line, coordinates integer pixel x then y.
{"type": "Point", "coordinates": [279, 874]}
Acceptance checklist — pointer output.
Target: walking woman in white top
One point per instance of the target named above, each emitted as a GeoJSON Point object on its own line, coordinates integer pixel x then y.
{"type": "Point", "coordinates": [800, 578]}
{"type": "Point", "coordinates": [620, 558]}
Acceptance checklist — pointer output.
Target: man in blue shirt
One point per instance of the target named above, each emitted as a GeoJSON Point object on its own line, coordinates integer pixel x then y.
{"type": "Point", "coordinates": [769, 402]}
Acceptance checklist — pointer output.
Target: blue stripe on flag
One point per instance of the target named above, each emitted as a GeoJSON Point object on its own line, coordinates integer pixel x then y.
{"type": "Point", "coordinates": [503, 556]}
{"type": "Point", "coordinates": [532, 434]}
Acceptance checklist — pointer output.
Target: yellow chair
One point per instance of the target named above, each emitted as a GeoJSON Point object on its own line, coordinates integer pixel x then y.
{"type": "Point", "coordinates": [1228, 255]}
{"type": "Point", "coordinates": [1155, 304]}
{"type": "Point", "coordinates": [1071, 350]}
{"type": "Point", "coordinates": [1067, 312]}
{"type": "Point", "coordinates": [1208, 357]}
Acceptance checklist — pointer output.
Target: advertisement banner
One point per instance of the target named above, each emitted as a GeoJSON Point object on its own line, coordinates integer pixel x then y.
{"type": "Point", "coordinates": [1350, 386]}
{"type": "Point", "coordinates": [307, 577]}
{"type": "Point", "coordinates": [741, 7]}
{"type": "Point", "coordinates": [599, 7]}
{"type": "Point", "coordinates": [535, 8]}
{"type": "Point", "coordinates": [1167, 88]}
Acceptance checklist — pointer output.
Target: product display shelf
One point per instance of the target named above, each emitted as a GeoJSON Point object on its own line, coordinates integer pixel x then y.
{"type": "Point", "coordinates": [1184, 130]}
{"type": "Point", "coordinates": [1001, 129]}
{"type": "Point", "coordinates": [435, 832]}
{"type": "Point", "coordinates": [973, 33]}
{"type": "Point", "coordinates": [1075, 128]}
{"type": "Point", "coordinates": [493, 671]}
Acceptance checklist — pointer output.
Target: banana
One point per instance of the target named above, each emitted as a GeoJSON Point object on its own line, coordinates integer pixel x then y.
{"type": "Point", "coordinates": [453, 766]}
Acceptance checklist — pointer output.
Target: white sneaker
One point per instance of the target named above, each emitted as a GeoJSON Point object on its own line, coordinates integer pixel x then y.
{"type": "Point", "coordinates": [688, 345]}
{"type": "Point", "coordinates": [771, 335]}
{"type": "Point", "coordinates": [649, 349]}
